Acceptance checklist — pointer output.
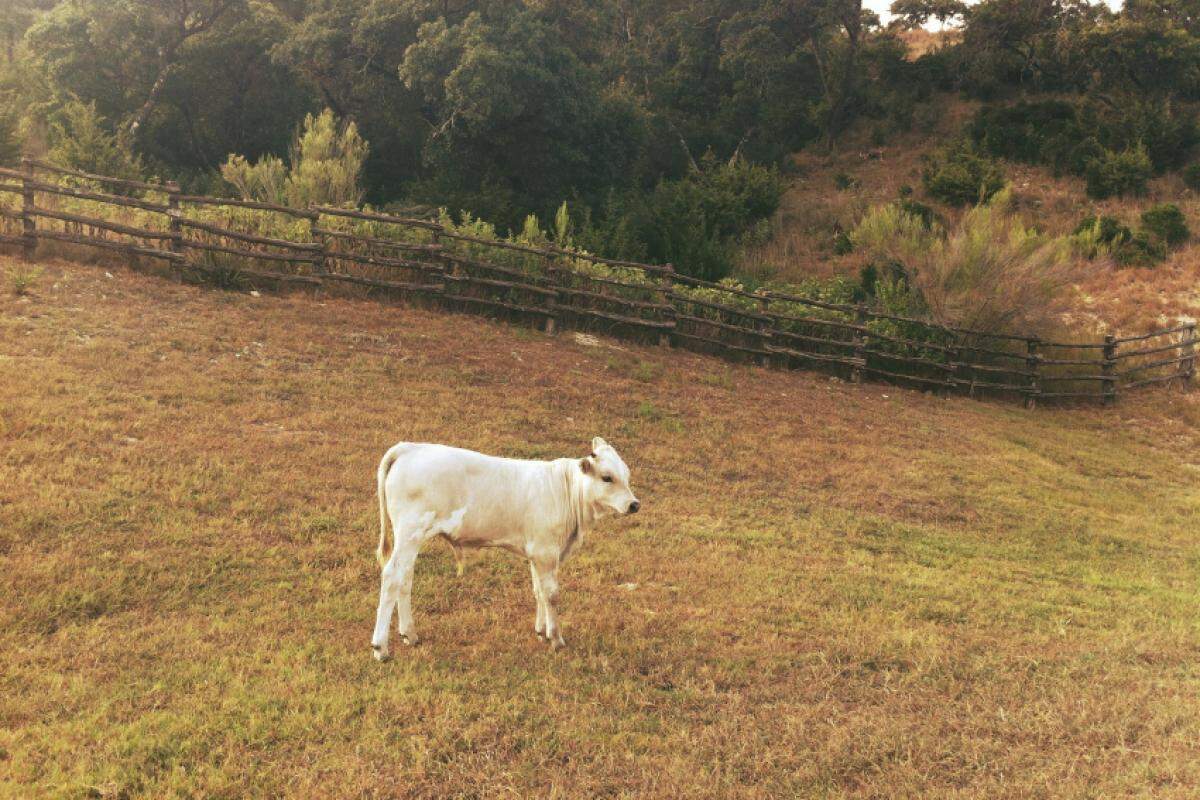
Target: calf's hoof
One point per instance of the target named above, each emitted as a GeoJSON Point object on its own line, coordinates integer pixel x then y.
{"type": "Point", "coordinates": [380, 653]}
{"type": "Point", "coordinates": [410, 639]}
{"type": "Point", "coordinates": [557, 644]}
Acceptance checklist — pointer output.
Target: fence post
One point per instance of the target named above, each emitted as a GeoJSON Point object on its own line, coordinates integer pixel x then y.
{"type": "Point", "coordinates": [1033, 362]}
{"type": "Point", "coordinates": [28, 224]}
{"type": "Point", "coordinates": [551, 323]}
{"type": "Point", "coordinates": [667, 282]}
{"type": "Point", "coordinates": [175, 243]}
{"type": "Point", "coordinates": [764, 329]}
{"type": "Point", "coordinates": [860, 344]}
{"type": "Point", "coordinates": [1108, 370]}
{"type": "Point", "coordinates": [1189, 354]}
{"type": "Point", "coordinates": [316, 233]}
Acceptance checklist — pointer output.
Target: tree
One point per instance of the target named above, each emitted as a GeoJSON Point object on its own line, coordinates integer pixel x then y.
{"type": "Point", "coordinates": [512, 114]}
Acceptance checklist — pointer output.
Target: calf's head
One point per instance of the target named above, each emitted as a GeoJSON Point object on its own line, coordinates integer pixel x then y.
{"type": "Point", "coordinates": [606, 481]}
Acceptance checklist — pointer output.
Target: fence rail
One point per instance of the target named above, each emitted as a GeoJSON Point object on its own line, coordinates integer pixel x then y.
{"type": "Point", "coordinates": [423, 261]}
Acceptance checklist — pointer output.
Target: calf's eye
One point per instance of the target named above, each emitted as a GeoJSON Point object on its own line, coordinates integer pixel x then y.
{"type": "Point", "coordinates": [607, 479]}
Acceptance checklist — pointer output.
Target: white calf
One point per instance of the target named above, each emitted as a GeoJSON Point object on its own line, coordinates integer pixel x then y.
{"type": "Point", "coordinates": [537, 509]}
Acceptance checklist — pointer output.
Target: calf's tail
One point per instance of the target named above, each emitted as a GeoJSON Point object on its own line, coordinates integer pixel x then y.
{"type": "Point", "coordinates": [383, 551]}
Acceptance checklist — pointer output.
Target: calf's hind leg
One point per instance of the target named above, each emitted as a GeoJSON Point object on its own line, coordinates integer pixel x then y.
{"type": "Point", "coordinates": [395, 585]}
{"type": "Point", "coordinates": [395, 593]}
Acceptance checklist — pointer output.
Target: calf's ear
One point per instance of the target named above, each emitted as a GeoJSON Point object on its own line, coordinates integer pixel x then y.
{"type": "Point", "coordinates": [597, 443]}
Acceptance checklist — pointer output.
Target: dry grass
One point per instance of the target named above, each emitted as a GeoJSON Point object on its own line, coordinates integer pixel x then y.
{"type": "Point", "coordinates": [839, 591]}
{"type": "Point", "coordinates": [814, 208]}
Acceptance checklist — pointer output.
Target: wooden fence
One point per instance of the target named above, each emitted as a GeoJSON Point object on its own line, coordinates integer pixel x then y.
{"type": "Point", "coordinates": [260, 244]}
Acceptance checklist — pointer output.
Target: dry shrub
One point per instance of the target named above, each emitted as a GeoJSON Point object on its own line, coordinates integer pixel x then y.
{"type": "Point", "coordinates": [989, 272]}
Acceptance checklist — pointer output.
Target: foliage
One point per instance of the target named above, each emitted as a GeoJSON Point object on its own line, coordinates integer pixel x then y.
{"type": "Point", "coordinates": [843, 181]}
{"type": "Point", "coordinates": [22, 278]}
{"type": "Point", "coordinates": [220, 271]}
{"type": "Point", "coordinates": [692, 223]}
{"type": "Point", "coordinates": [842, 245]}
{"type": "Point", "coordinates": [960, 175]}
{"type": "Point", "coordinates": [1066, 135]}
{"type": "Point", "coordinates": [1191, 176]}
{"type": "Point", "coordinates": [988, 273]}
{"type": "Point", "coordinates": [80, 139]}
{"type": "Point", "coordinates": [1166, 223]}
{"type": "Point", "coordinates": [1108, 230]}
{"type": "Point", "coordinates": [1099, 237]}
{"type": "Point", "coordinates": [10, 140]}
{"type": "Point", "coordinates": [1040, 132]}
{"type": "Point", "coordinates": [1142, 250]}
{"type": "Point", "coordinates": [265, 180]}
{"type": "Point", "coordinates": [1116, 174]}
{"type": "Point", "coordinates": [326, 162]}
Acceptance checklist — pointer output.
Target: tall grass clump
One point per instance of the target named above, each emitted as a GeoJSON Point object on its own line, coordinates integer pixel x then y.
{"type": "Point", "coordinates": [324, 167]}
{"type": "Point", "coordinates": [988, 273]}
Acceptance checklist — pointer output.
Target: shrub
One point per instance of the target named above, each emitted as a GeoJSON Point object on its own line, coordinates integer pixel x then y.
{"type": "Point", "coordinates": [1142, 250]}
{"type": "Point", "coordinates": [1166, 223]}
{"type": "Point", "coordinates": [80, 139]}
{"type": "Point", "coordinates": [326, 162]}
{"type": "Point", "coordinates": [1115, 174]}
{"type": "Point", "coordinates": [327, 159]}
{"type": "Point", "coordinates": [1191, 176]}
{"type": "Point", "coordinates": [21, 278]}
{"type": "Point", "coordinates": [693, 223]}
{"type": "Point", "coordinates": [843, 181]}
{"type": "Point", "coordinates": [1108, 230]}
{"type": "Point", "coordinates": [1096, 237]}
{"type": "Point", "coordinates": [842, 244]}
{"type": "Point", "coordinates": [1167, 133]}
{"type": "Point", "coordinates": [1036, 133]}
{"type": "Point", "coordinates": [10, 140]}
{"type": "Point", "coordinates": [265, 181]}
{"type": "Point", "coordinates": [989, 273]}
{"type": "Point", "coordinates": [919, 210]}
{"type": "Point", "coordinates": [960, 175]}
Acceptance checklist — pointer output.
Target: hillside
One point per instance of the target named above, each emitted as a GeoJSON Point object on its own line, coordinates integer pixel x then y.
{"type": "Point", "coordinates": [832, 590]}
{"type": "Point", "coordinates": [815, 208]}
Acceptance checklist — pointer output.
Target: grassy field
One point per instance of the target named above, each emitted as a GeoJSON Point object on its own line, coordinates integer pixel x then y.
{"type": "Point", "coordinates": [831, 591]}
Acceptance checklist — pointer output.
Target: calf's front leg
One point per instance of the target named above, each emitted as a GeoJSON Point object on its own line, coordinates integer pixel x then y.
{"type": "Point", "coordinates": [546, 574]}
{"type": "Point", "coordinates": [539, 623]}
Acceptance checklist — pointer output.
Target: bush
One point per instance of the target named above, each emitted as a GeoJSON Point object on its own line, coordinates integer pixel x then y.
{"type": "Point", "coordinates": [1141, 250]}
{"type": "Point", "coordinates": [1166, 223]}
{"type": "Point", "coordinates": [919, 210]}
{"type": "Point", "coordinates": [326, 162]}
{"type": "Point", "coordinates": [1115, 174]}
{"type": "Point", "coordinates": [842, 244]}
{"type": "Point", "coordinates": [80, 139]}
{"type": "Point", "coordinates": [843, 181]}
{"type": "Point", "coordinates": [1191, 176]}
{"type": "Point", "coordinates": [10, 140]}
{"type": "Point", "coordinates": [265, 181]}
{"type": "Point", "coordinates": [1035, 133]}
{"type": "Point", "coordinates": [960, 175]}
{"type": "Point", "coordinates": [693, 223]}
{"type": "Point", "coordinates": [1107, 230]}
{"type": "Point", "coordinates": [990, 273]}
{"type": "Point", "coordinates": [1168, 134]}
